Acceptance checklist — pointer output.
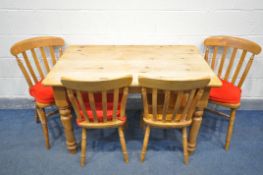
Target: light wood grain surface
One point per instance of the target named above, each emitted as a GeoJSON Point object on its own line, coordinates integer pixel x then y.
{"type": "Point", "coordinates": [97, 62]}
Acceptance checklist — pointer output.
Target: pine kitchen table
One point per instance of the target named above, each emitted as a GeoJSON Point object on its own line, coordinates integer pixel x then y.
{"type": "Point", "coordinates": [86, 62]}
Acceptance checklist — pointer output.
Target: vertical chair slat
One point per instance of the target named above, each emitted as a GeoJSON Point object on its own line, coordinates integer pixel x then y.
{"type": "Point", "coordinates": [53, 56]}
{"type": "Point", "coordinates": [37, 63]}
{"type": "Point", "coordinates": [75, 104]}
{"type": "Point", "coordinates": [29, 66]}
{"type": "Point", "coordinates": [154, 103]}
{"type": "Point", "coordinates": [188, 104]}
{"type": "Point", "coordinates": [241, 60]}
{"type": "Point", "coordinates": [177, 104]}
{"type": "Point", "coordinates": [124, 101]}
{"type": "Point", "coordinates": [115, 103]}
{"type": "Point", "coordinates": [93, 106]}
{"type": "Point", "coordinates": [206, 53]}
{"type": "Point", "coordinates": [222, 61]}
{"type": "Point", "coordinates": [167, 94]}
{"type": "Point", "coordinates": [214, 58]}
{"type": "Point", "coordinates": [197, 97]}
{"type": "Point", "coordinates": [24, 71]}
{"type": "Point", "coordinates": [60, 52]}
{"type": "Point", "coordinates": [245, 72]}
{"type": "Point", "coordinates": [44, 58]}
{"type": "Point", "coordinates": [104, 105]}
{"type": "Point", "coordinates": [230, 63]}
{"type": "Point", "coordinates": [82, 105]}
{"type": "Point", "coordinates": [145, 101]}
{"type": "Point", "coordinates": [184, 100]}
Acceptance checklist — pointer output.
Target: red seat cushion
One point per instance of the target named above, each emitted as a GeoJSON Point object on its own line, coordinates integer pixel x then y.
{"type": "Point", "coordinates": [227, 93]}
{"type": "Point", "coordinates": [99, 110]}
{"type": "Point", "coordinates": [41, 93]}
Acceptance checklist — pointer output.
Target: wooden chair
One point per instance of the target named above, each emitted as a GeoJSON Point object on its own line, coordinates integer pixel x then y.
{"type": "Point", "coordinates": [98, 105]}
{"type": "Point", "coordinates": [232, 72]}
{"type": "Point", "coordinates": [34, 71]}
{"type": "Point", "coordinates": [170, 104]}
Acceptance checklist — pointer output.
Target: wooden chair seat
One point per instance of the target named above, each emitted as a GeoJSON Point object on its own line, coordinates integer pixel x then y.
{"type": "Point", "coordinates": [168, 123]}
{"type": "Point", "coordinates": [41, 93]}
{"type": "Point", "coordinates": [227, 93]}
{"type": "Point", "coordinates": [109, 124]}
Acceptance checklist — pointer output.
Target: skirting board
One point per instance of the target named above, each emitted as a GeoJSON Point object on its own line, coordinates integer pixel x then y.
{"type": "Point", "coordinates": [134, 102]}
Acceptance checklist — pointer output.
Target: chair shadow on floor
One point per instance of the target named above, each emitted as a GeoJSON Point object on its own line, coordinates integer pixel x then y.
{"type": "Point", "coordinates": [56, 131]}
{"type": "Point", "coordinates": [213, 130]}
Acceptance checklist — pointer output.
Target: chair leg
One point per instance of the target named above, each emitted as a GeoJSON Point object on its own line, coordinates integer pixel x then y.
{"type": "Point", "coordinates": [37, 120]}
{"type": "Point", "coordinates": [184, 140]}
{"type": "Point", "coordinates": [43, 120]}
{"type": "Point", "coordinates": [145, 142]}
{"type": "Point", "coordinates": [230, 128]}
{"type": "Point", "coordinates": [123, 144]}
{"type": "Point", "coordinates": [142, 125]}
{"type": "Point", "coordinates": [83, 147]}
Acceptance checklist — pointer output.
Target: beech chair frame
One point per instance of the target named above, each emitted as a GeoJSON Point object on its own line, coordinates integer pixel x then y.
{"type": "Point", "coordinates": [234, 74]}
{"type": "Point", "coordinates": [34, 75]}
{"type": "Point", "coordinates": [170, 104]}
{"type": "Point", "coordinates": [115, 87]}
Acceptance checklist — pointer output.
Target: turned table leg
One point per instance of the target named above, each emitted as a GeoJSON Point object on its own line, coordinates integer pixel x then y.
{"type": "Point", "coordinates": [197, 121]}
{"type": "Point", "coordinates": [66, 118]}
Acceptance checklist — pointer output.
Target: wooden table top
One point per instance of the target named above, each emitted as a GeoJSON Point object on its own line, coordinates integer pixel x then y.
{"type": "Point", "coordinates": [93, 62]}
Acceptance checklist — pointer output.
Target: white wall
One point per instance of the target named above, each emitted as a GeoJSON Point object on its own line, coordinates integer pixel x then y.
{"type": "Point", "coordinates": [127, 22]}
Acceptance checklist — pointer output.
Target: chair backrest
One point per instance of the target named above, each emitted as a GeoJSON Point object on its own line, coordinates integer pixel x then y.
{"type": "Point", "coordinates": [41, 48]}
{"type": "Point", "coordinates": [217, 49]}
{"type": "Point", "coordinates": [171, 101]}
{"type": "Point", "coordinates": [114, 92]}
